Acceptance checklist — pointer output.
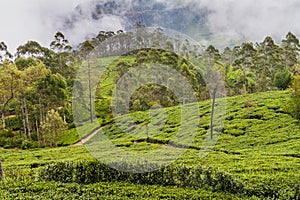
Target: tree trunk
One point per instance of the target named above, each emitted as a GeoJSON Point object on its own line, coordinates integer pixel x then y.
{"type": "Point", "coordinates": [212, 113]}
{"type": "Point", "coordinates": [27, 119]}
{"type": "Point", "coordinates": [90, 92]}
{"type": "Point", "coordinates": [23, 120]}
{"type": "Point", "coordinates": [3, 110]}
{"type": "Point", "coordinates": [20, 124]}
{"type": "Point", "coordinates": [3, 120]}
{"type": "Point", "coordinates": [25, 129]}
{"type": "Point", "coordinates": [41, 110]}
{"type": "Point", "coordinates": [38, 132]}
{"type": "Point", "coordinates": [1, 170]}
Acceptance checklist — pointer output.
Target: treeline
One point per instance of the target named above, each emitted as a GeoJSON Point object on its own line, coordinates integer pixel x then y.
{"type": "Point", "coordinates": [258, 67]}
{"type": "Point", "coordinates": [36, 83]}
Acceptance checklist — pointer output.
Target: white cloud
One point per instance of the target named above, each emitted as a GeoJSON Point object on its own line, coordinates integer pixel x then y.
{"type": "Point", "coordinates": [255, 19]}
{"type": "Point", "coordinates": [23, 20]}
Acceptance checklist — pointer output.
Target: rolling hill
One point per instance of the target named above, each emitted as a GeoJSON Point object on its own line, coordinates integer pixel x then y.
{"type": "Point", "coordinates": [258, 148]}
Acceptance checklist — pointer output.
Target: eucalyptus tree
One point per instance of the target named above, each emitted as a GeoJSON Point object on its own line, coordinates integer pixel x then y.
{"type": "Point", "coordinates": [31, 99]}
{"type": "Point", "coordinates": [9, 86]}
{"type": "Point", "coordinates": [30, 49]}
{"type": "Point", "coordinates": [61, 46]}
{"type": "Point", "coordinates": [269, 61]}
{"type": "Point", "coordinates": [85, 49]}
{"type": "Point", "coordinates": [4, 53]}
{"type": "Point", "coordinates": [291, 47]}
{"type": "Point", "coordinates": [245, 63]}
{"type": "Point", "coordinates": [212, 53]}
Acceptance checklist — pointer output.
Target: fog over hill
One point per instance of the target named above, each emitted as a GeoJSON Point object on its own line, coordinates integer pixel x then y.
{"type": "Point", "coordinates": [221, 21]}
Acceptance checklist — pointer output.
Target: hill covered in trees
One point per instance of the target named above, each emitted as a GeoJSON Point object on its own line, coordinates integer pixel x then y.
{"type": "Point", "coordinates": [37, 79]}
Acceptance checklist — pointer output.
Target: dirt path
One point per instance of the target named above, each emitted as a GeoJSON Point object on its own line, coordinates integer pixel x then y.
{"type": "Point", "coordinates": [88, 138]}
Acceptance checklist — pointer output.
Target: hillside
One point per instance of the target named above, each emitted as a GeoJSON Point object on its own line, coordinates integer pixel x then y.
{"type": "Point", "coordinates": [259, 148]}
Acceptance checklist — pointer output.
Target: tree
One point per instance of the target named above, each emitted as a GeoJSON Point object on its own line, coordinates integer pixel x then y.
{"type": "Point", "coordinates": [213, 53]}
{"type": "Point", "coordinates": [31, 97]}
{"type": "Point", "coordinates": [35, 50]}
{"type": "Point", "coordinates": [291, 47]}
{"type": "Point", "coordinates": [212, 73]}
{"type": "Point", "coordinates": [4, 53]}
{"type": "Point", "coordinates": [247, 55]}
{"type": "Point", "coordinates": [9, 86]}
{"type": "Point", "coordinates": [215, 83]}
{"type": "Point", "coordinates": [52, 128]}
{"type": "Point", "coordinates": [52, 89]}
{"type": "Point", "coordinates": [269, 58]}
{"type": "Point", "coordinates": [283, 79]}
{"type": "Point", "coordinates": [60, 45]}
{"type": "Point", "coordinates": [85, 49]}
{"type": "Point", "coordinates": [30, 49]}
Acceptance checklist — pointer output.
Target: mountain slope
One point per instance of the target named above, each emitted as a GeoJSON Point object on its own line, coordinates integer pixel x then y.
{"type": "Point", "coordinates": [259, 145]}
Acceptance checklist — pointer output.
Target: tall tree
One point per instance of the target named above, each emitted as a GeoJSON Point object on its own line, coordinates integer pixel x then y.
{"type": "Point", "coordinates": [60, 45]}
{"type": "Point", "coordinates": [291, 47]}
{"type": "Point", "coordinates": [213, 53]}
{"type": "Point", "coordinates": [30, 97]}
{"type": "Point", "coordinates": [9, 86]}
{"type": "Point", "coordinates": [30, 49]}
{"type": "Point", "coordinates": [269, 59]}
{"type": "Point", "coordinates": [4, 53]}
{"type": "Point", "coordinates": [85, 49]}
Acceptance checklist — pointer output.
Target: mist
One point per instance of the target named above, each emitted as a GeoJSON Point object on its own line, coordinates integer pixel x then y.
{"type": "Point", "coordinates": [254, 19]}
{"type": "Point", "coordinates": [22, 21]}
{"type": "Point", "coordinates": [233, 20]}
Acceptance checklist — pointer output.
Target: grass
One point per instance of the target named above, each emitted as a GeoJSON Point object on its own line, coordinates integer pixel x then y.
{"type": "Point", "coordinates": [259, 146]}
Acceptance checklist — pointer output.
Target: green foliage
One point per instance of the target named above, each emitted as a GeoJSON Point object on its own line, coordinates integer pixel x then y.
{"type": "Point", "coordinates": [180, 175]}
{"type": "Point", "coordinates": [13, 122]}
{"type": "Point", "coordinates": [282, 80]}
{"type": "Point", "coordinates": [52, 127]}
{"type": "Point", "coordinates": [295, 100]}
{"type": "Point", "coordinates": [260, 163]}
{"type": "Point", "coordinates": [258, 146]}
{"type": "Point", "coordinates": [12, 189]}
{"type": "Point", "coordinates": [23, 63]}
{"type": "Point", "coordinates": [68, 137]}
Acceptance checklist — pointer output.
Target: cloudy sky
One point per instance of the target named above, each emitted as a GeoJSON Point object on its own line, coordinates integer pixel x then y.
{"type": "Point", "coordinates": [23, 20]}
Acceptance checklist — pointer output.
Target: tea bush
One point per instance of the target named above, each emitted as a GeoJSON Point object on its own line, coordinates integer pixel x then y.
{"type": "Point", "coordinates": [88, 172]}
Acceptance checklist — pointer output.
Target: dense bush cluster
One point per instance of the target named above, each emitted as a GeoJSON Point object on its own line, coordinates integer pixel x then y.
{"type": "Point", "coordinates": [91, 172]}
{"type": "Point", "coordinates": [87, 172]}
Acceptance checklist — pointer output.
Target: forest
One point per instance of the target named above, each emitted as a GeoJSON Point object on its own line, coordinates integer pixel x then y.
{"type": "Point", "coordinates": [39, 108]}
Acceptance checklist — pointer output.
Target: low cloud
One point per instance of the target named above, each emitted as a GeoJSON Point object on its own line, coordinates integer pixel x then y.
{"type": "Point", "coordinates": [40, 19]}
{"type": "Point", "coordinates": [254, 19]}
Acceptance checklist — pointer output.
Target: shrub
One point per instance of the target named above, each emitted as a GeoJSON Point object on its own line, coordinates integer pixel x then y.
{"type": "Point", "coordinates": [282, 80]}
{"type": "Point", "coordinates": [87, 172]}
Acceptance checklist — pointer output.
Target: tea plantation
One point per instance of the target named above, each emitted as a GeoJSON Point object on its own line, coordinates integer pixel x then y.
{"type": "Point", "coordinates": [256, 157]}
